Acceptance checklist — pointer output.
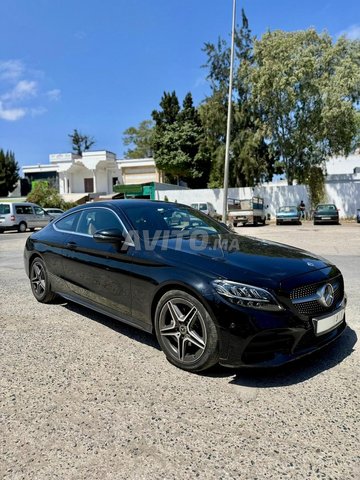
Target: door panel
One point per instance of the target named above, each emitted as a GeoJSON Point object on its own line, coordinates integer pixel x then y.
{"type": "Point", "coordinates": [98, 272]}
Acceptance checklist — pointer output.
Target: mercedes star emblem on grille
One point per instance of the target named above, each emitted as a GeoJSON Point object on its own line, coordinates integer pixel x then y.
{"type": "Point", "coordinates": [326, 295]}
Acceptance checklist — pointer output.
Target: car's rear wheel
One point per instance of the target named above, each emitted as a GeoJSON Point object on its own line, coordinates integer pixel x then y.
{"type": "Point", "coordinates": [22, 227]}
{"type": "Point", "coordinates": [186, 332]}
{"type": "Point", "coordinates": [39, 280]}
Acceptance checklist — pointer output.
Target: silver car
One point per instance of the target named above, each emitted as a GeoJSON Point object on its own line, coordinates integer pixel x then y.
{"type": "Point", "coordinates": [21, 216]}
{"type": "Point", "coordinates": [54, 212]}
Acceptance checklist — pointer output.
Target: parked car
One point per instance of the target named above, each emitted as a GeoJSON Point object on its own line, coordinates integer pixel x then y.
{"type": "Point", "coordinates": [326, 213]}
{"type": "Point", "coordinates": [22, 215]}
{"type": "Point", "coordinates": [288, 214]}
{"type": "Point", "coordinates": [54, 212]}
{"type": "Point", "coordinates": [209, 295]}
{"type": "Point", "coordinates": [205, 207]}
{"type": "Point", "coordinates": [358, 215]}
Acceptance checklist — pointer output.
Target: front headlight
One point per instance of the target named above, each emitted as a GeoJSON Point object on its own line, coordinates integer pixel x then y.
{"type": "Point", "coordinates": [246, 295]}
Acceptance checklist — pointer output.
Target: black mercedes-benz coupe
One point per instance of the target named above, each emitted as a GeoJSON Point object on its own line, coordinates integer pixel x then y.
{"type": "Point", "coordinates": [210, 295]}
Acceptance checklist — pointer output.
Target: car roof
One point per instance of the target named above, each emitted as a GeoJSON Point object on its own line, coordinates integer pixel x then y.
{"type": "Point", "coordinates": [126, 202]}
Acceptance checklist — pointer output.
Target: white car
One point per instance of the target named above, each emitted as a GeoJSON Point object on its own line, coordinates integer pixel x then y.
{"type": "Point", "coordinates": [54, 212]}
{"type": "Point", "coordinates": [22, 215]}
{"type": "Point", "coordinates": [205, 207]}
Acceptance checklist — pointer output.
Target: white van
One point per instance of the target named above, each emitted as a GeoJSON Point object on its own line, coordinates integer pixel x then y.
{"type": "Point", "coordinates": [22, 215]}
{"type": "Point", "coordinates": [205, 207]}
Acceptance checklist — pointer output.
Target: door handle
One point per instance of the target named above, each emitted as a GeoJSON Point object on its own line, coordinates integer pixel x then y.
{"type": "Point", "coordinates": [71, 245]}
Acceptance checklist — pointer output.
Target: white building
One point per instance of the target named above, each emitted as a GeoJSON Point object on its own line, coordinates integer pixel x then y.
{"type": "Point", "coordinates": [92, 172]}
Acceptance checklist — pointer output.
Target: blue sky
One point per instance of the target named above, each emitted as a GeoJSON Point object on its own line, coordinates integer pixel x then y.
{"type": "Point", "coordinates": [102, 66]}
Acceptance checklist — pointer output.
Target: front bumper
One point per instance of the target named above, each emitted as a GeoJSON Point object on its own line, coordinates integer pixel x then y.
{"type": "Point", "coordinates": [276, 347]}
{"type": "Point", "coordinates": [257, 338]}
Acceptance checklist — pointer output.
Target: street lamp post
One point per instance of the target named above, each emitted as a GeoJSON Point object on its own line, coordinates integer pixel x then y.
{"type": "Point", "coordinates": [228, 127]}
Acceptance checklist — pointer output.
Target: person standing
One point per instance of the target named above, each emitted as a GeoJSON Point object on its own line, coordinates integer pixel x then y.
{"type": "Point", "coordinates": [302, 209]}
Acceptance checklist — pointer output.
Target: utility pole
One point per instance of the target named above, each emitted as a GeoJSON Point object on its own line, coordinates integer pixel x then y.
{"type": "Point", "coordinates": [228, 128]}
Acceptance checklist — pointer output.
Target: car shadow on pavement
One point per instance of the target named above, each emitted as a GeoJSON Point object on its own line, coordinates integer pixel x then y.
{"type": "Point", "coordinates": [300, 370]}
{"type": "Point", "coordinates": [295, 372]}
{"type": "Point", "coordinates": [116, 325]}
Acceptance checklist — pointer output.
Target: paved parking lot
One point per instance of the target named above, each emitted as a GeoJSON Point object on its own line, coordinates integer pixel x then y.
{"type": "Point", "coordinates": [84, 397]}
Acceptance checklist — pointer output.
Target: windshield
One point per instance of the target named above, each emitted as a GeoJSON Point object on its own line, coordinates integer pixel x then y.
{"type": "Point", "coordinates": [170, 220]}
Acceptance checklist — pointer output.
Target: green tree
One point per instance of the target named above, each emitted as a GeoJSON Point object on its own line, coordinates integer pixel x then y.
{"type": "Point", "coordinates": [9, 172]}
{"type": "Point", "coordinates": [45, 195]}
{"type": "Point", "coordinates": [315, 181]}
{"type": "Point", "coordinates": [177, 139]}
{"type": "Point", "coordinates": [305, 87]}
{"type": "Point", "coordinates": [251, 160]}
{"type": "Point", "coordinates": [81, 143]}
{"type": "Point", "coordinates": [140, 139]}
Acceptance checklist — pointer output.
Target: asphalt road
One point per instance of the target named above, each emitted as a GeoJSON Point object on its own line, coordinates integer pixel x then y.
{"type": "Point", "coordinates": [84, 397]}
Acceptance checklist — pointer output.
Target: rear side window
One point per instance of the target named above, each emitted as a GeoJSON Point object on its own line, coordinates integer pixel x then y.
{"type": "Point", "coordinates": [68, 223]}
{"type": "Point", "coordinates": [4, 209]}
{"type": "Point", "coordinates": [24, 210]}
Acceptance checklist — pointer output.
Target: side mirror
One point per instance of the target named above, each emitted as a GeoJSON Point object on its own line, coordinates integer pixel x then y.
{"type": "Point", "coordinates": [110, 235]}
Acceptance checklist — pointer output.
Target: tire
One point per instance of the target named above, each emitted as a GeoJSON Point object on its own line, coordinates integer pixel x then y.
{"type": "Point", "coordinates": [39, 281]}
{"type": "Point", "coordinates": [186, 332]}
{"type": "Point", "coordinates": [235, 224]}
{"type": "Point", "coordinates": [32, 229]}
{"type": "Point", "coordinates": [2, 231]}
{"type": "Point", "coordinates": [277, 222]}
{"type": "Point", "coordinates": [22, 227]}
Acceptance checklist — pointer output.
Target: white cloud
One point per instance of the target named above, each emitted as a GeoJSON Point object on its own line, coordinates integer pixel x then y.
{"type": "Point", "coordinates": [11, 69]}
{"type": "Point", "coordinates": [20, 91]}
{"type": "Point", "coordinates": [54, 95]}
{"type": "Point", "coordinates": [11, 114]}
{"type": "Point", "coordinates": [23, 89]}
{"type": "Point", "coordinates": [352, 32]}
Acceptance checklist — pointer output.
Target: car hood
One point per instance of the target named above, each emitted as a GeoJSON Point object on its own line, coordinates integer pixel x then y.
{"type": "Point", "coordinates": [240, 258]}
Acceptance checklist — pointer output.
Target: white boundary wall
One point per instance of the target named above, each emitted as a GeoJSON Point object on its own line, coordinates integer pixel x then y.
{"type": "Point", "coordinates": [346, 196]}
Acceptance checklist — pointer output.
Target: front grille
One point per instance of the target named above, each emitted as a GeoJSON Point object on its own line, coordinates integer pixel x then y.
{"type": "Point", "coordinates": [311, 307]}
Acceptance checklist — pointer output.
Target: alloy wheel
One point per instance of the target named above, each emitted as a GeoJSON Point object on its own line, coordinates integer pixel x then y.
{"type": "Point", "coordinates": [183, 330]}
{"type": "Point", "coordinates": [38, 279]}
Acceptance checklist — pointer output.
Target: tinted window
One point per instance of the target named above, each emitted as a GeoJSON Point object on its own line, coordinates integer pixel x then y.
{"type": "Point", "coordinates": [92, 220]}
{"type": "Point", "coordinates": [202, 206]}
{"type": "Point", "coordinates": [4, 209]}
{"type": "Point", "coordinates": [24, 210]}
{"type": "Point", "coordinates": [68, 223]}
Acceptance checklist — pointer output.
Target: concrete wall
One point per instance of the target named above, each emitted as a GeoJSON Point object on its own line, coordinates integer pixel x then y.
{"type": "Point", "coordinates": [346, 196]}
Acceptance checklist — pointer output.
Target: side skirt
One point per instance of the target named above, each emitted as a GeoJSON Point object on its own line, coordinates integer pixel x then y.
{"type": "Point", "coordinates": [97, 308]}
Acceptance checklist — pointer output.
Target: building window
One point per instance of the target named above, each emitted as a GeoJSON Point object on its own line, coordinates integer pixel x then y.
{"type": "Point", "coordinates": [88, 185]}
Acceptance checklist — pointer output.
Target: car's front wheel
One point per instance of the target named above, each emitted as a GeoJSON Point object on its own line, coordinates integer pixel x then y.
{"type": "Point", "coordinates": [186, 332]}
{"type": "Point", "coordinates": [39, 280]}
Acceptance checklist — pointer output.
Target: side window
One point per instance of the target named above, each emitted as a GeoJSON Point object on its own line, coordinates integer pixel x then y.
{"type": "Point", "coordinates": [4, 209]}
{"type": "Point", "coordinates": [25, 210]}
{"type": "Point", "coordinates": [95, 219]}
{"type": "Point", "coordinates": [68, 223]}
{"type": "Point", "coordinates": [39, 211]}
